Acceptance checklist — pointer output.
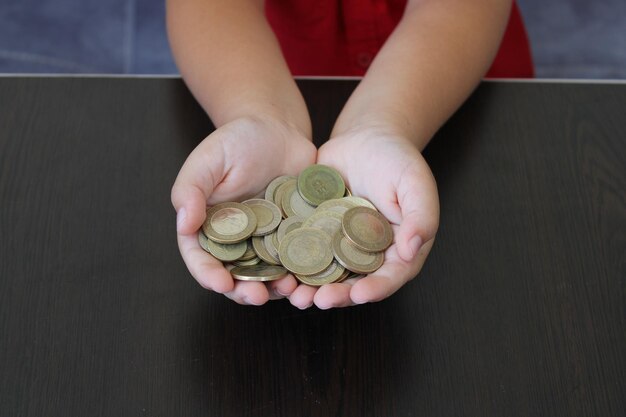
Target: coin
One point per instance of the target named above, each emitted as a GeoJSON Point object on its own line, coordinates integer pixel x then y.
{"type": "Point", "coordinates": [280, 190]}
{"type": "Point", "coordinates": [306, 251]}
{"type": "Point", "coordinates": [271, 244]}
{"type": "Point", "coordinates": [359, 201]}
{"type": "Point", "coordinates": [293, 204]}
{"type": "Point", "coordinates": [367, 229]}
{"type": "Point", "coordinates": [273, 185]}
{"type": "Point", "coordinates": [333, 273]}
{"type": "Point", "coordinates": [229, 222]}
{"type": "Point", "coordinates": [249, 253]}
{"type": "Point", "coordinates": [326, 220]}
{"type": "Point", "coordinates": [339, 205]}
{"type": "Point", "coordinates": [268, 216]}
{"type": "Point", "coordinates": [259, 272]}
{"type": "Point", "coordinates": [249, 262]}
{"type": "Point", "coordinates": [318, 183]}
{"type": "Point", "coordinates": [287, 225]}
{"type": "Point", "coordinates": [221, 251]}
{"type": "Point", "coordinates": [261, 250]}
{"type": "Point", "coordinates": [353, 258]}
{"type": "Point", "coordinates": [202, 239]}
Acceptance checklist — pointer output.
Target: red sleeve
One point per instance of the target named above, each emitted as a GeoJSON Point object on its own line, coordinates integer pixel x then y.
{"type": "Point", "coordinates": [341, 37]}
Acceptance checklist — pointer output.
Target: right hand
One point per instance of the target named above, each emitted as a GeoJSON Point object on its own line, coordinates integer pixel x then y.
{"type": "Point", "coordinates": [234, 163]}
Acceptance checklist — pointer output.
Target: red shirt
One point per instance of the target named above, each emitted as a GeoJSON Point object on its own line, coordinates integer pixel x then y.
{"type": "Point", "coordinates": [341, 37]}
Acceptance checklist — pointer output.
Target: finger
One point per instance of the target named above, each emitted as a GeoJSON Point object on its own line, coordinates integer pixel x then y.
{"type": "Point", "coordinates": [283, 287]}
{"type": "Point", "coordinates": [249, 292]}
{"type": "Point", "coordinates": [419, 203]}
{"type": "Point", "coordinates": [208, 271]}
{"type": "Point", "coordinates": [195, 182]}
{"type": "Point", "coordinates": [333, 295]}
{"type": "Point", "coordinates": [389, 277]}
{"type": "Point", "coordinates": [302, 296]}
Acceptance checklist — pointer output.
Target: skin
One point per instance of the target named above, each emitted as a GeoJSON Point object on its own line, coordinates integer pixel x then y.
{"type": "Point", "coordinates": [231, 61]}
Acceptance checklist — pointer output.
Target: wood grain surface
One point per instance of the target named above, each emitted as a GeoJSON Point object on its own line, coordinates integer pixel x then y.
{"type": "Point", "coordinates": [519, 311]}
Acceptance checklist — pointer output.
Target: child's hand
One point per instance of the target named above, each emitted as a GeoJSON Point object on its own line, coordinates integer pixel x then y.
{"type": "Point", "coordinates": [389, 171]}
{"type": "Point", "coordinates": [234, 163]}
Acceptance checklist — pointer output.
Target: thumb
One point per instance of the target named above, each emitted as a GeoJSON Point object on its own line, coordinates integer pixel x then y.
{"type": "Point", "coordinates": [196, 180]}
{"type": "Point", "coordinates": [420, 217]}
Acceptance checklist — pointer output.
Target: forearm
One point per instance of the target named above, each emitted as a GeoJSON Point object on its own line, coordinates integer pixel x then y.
{"type": "Point", "coordinates": [231, 61]}
{"type": "Point", "coordinates": [427, 68]}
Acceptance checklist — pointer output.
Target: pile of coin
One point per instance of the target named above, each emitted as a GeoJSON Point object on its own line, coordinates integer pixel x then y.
{"type": "Point", "coordinates": [309, 225]}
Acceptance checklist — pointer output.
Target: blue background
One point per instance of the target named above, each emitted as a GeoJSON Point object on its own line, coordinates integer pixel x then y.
{"type": "Point", "coordinates": [570, 38]}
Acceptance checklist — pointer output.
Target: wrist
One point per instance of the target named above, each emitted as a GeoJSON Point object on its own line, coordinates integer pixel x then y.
{"type": "Point", "coordinates": [381, 126]}
{"type": "Point", "coordinates": [295, 120]}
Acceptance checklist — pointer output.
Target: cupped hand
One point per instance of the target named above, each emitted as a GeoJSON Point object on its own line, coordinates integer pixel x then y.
{"type": "Point", "coordinates": [388, 170]}
{"type": "Point", "coordinates": [234, 163]}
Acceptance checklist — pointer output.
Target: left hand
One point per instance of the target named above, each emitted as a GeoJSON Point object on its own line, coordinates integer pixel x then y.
{"type": "Point", "coordinates": [388, 170]}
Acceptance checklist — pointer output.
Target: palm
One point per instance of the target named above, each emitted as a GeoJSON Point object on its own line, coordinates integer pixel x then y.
{"type": "Point", "coordinates": [235, 162]}
{"type": "Point", "coordinates": [391, 173]}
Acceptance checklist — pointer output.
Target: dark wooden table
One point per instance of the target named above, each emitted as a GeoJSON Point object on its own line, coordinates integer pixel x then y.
{"type": "Point", "coordinates": [519, 311]}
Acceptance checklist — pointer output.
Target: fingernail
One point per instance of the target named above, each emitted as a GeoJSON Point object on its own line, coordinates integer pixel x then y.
{"type": "Point", "coordinates": [279, 292]}
{"type": "Point", "coordinates": [414, 245]}
{"type": "Point", "coordinates": [180, 218]}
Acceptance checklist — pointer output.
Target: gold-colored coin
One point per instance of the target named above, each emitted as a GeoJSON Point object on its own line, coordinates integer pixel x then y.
{"type": "Point", "coordinates": [326, 220]}
{"type": "Point", "coordinates": [333, 273]}
{"type": "Point", "coordinates": [249, 262]}
{"type": "Point", "coordinates": [338, 205]}
{"type": "Point", "coordinates": [249, 253]}
{"type": "Point", "coordinates": [268, 216]}
{"type": "Point", "coordinates": [318, 183]}
{"type": "Point", "coordinates": [280, 190]}
{"type": "Point", "coordinates": [360, 201]}
{"type": "Point", "coordinates": [225, 253]}
{"type": "Point", "coordinates": [348, 193]}
{"type": "Point", "coordinates": [229, 223]}
{"type": "Point", "coordinates": [271, 244]}
{"type": "Point", "coordinates": [259, 247]}
{"type": "Point", "coordinates": [259, 272]}
{"type": "Point", "coordinates": [353, 258]}
{"type": "Point", "coordinates": [287, 225]}
{"type": "Point", "coordinates": [202, 240]}
{"type": "Point", "coordinates": [344, 276]}
{"type": "Point", "coordinates": [293, 204]}
{"type": "Point", "coordinates": [271, 188]}
{"type": "Point", "coordinates": [306, 251]}
{"type": "Point", "coordinates": [367, 229]}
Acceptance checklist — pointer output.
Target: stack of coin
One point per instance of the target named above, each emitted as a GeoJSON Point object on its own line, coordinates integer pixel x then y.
{"type": "Point", "coordinates": [309, 225]}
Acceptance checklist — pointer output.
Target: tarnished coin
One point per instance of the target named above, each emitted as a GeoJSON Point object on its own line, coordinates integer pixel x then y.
{"type": "Point", "coordinates": [202, 240]}
{"type": "Point", "coordinates": [268, 216]}
{"type": "Point", "coordinates": [226, 253]}
{"type": "Point", "coordinates": [258, 243]}
{"type": "Point", "coordinates": [344, 276]}
{"type": "Point", "coordinates": [287, 225]}
{"type": "Point", "coordinates": [318, 183]}
{"type": "Point", "coordinates": [359, 201]}
{"type": "Point", "coordinates": [271, 244]}
{"type": "Point", "coordinates": [333, 273]}
{"type": "Point", "coordinates": [328, 221]}
{"type": "Point", "coordinates": [249, 253]}
{"type": "Point", "coordinates": [229, 223]}
{"type": "Point", "coordinates": [248, 262]}
{"type": "Point", "coordinates": [355, 259]}
{"type": "Point", "coordinates": [259, 272]}
{"type": "Point", "coordinates": [367, 229]}
{"type": "Point", "coordinates": [306, 251]}
{"type": "Point", "coordinates": [293, 204]}
{"type": "Point", "coordinates": [271, 188]}
{"type": "Point", "coordinates": [280, 190]}
{"type": "Point", "coordinates": [338, 205]}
